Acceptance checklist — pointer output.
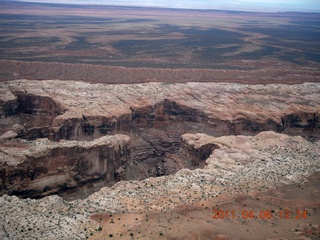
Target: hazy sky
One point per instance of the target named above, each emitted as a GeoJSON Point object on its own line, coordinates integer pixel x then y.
{"type": "Point", "coordinates": [250, 5]}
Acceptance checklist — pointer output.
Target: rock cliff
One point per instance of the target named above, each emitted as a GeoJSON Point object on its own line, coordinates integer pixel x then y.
{"type": "Point", "coordinates": [41, 167]}
{"type": "Point", "coordinates": [246, 165]}
{"type": "Point", "coordinates": [76, 110]}
{"type": "Point", "coordinates": [153, 115]}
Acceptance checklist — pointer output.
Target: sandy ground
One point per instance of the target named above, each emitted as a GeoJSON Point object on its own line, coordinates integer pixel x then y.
{"type": "Point", "coordinates": [294, 214]}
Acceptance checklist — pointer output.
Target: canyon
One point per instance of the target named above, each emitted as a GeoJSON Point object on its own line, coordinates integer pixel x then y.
{"type": "Point", "coordinates": [155, 123]}
{"type": "Point", "coordinates": [243, 173]}
{"type": "Point", "coordinates": [60, 135]}
{"type": "Point", "coordinates": [150, 160]}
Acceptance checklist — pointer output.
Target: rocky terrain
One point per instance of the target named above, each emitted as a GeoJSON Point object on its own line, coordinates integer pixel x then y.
{"type": "Point", "coordinates": [155, 123]}
{"type": "Point", "coordinates": [183, 150]}
{"type": "Point", "coordinates": [243, 172]}
{"type": "Point", "coordinates": [152, 115]}
{"type": "Point", "coordinates": [36, 167]}
{"type": "Point", "coordinates": [76, 110]}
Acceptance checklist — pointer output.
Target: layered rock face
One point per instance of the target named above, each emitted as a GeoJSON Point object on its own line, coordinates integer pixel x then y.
{"type": "Point", "coordinates": [154, 115]}
{"type": "Point", "coordinates": [57, 135]}
{"type": "Point", "coordinates": [41, 167]}
{"type": "Point", "coordinates": [76, 110]}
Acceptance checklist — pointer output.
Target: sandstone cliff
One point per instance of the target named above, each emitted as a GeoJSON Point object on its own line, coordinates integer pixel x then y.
{"type": "Point", "coordinates": [154, 115]}
{"type": "Point", "coordinates": [77, 110]}
{"type": "Point", "coordinates": [39, 168]}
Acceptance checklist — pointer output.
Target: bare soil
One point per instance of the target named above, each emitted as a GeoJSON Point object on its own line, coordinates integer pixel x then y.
{"type": "Point", "coordinates": [133, 45]}
{"type": "Point", "coordinates": [287, 205]}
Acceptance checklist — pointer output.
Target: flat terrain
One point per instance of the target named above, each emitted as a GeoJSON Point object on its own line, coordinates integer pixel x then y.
{"type": "Point", "coordinates": [130, 45]}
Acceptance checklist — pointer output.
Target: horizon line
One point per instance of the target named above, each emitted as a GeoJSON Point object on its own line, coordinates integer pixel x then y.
{"type": "Point", "coordinates": [79, 3]}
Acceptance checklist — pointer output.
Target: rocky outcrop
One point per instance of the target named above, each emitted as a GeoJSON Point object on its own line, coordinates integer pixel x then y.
{"type": "Point", "coordinates": [8, 102]}
{"type": "Point", "coordinates": [165, 113]}
{"type": "Point", "coordinates": [241, 165]}
{"type": "Point", "coordinates": [39, 168]}
{"type": "Point", "coordinates": [301, 123]}
{"type": "Point", "coordinates": [154, 115]}
{"type": "Point", "coordinates": [77, 110]}
{"type": "Point", "coordinates": [149, 148]}
{"type": "Point", "coordinates": [79, 125]}
{"type": "Point", "coordinates": [196, 148]}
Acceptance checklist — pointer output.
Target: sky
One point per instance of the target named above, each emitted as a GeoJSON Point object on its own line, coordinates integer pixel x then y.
{"type": "Point", "coordinates": [247, 5]}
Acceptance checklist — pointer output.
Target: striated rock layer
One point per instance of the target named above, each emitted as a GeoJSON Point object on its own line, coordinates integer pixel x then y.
{"type": "Point", "coordinates": [76, 110]}
{"type": "Point", "coordinates": [152, 115]}
{"type": "Point", "coordinates": [41, 167]}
